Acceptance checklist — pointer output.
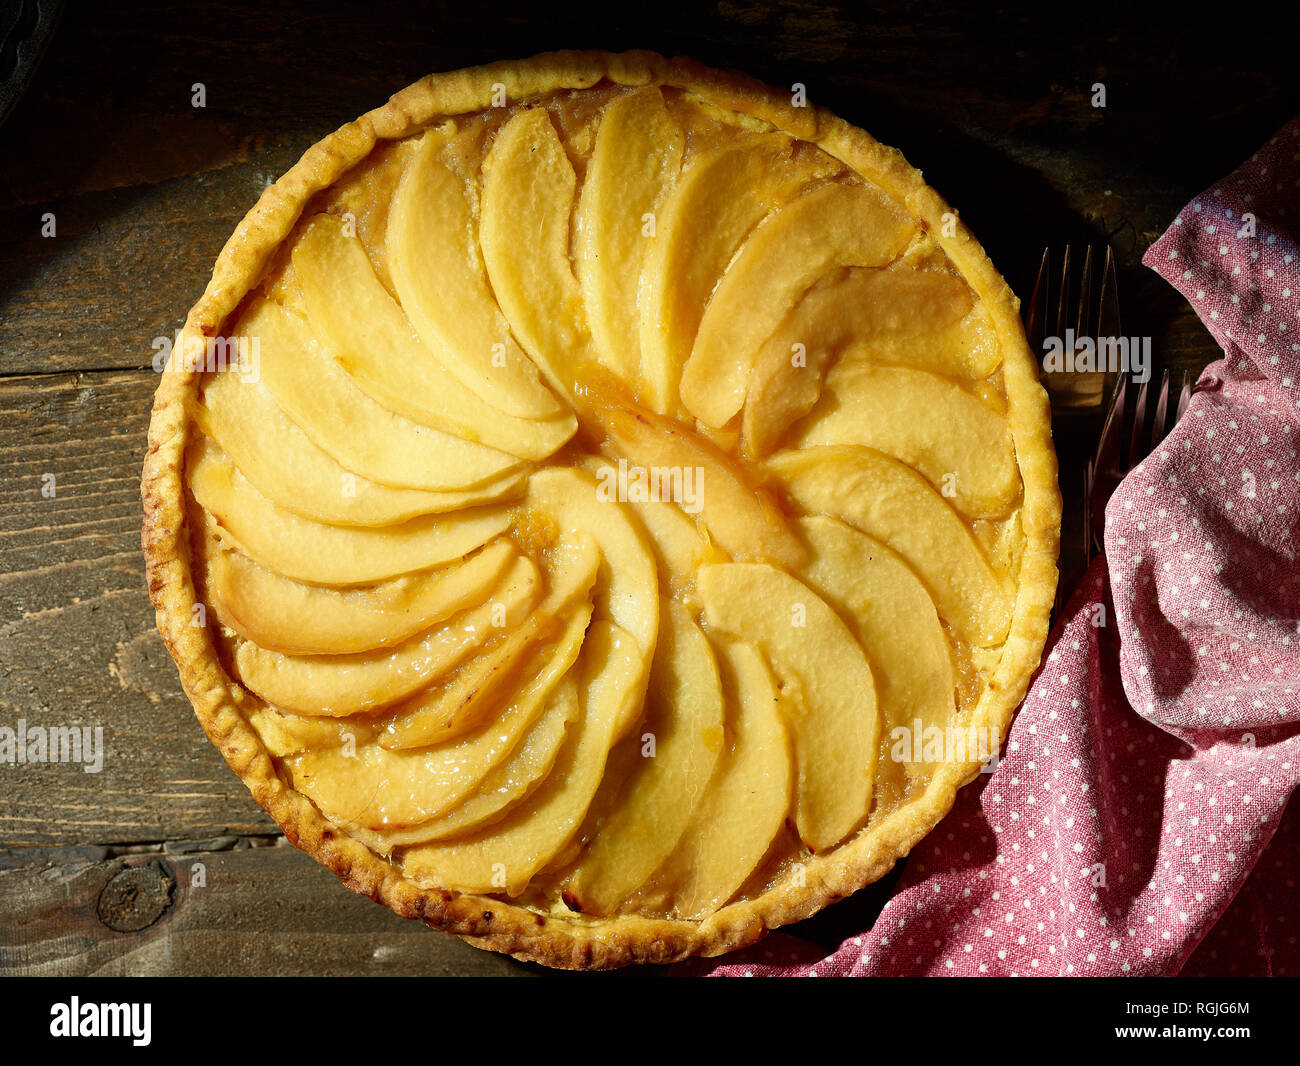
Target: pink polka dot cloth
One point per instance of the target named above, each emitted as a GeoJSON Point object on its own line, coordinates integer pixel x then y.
{"type": "Point", "coordinates": [1135, 823]}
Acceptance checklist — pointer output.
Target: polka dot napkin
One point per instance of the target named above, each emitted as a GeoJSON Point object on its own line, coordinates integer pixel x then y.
{"type": "Point", "coordinates": [1135, 824]}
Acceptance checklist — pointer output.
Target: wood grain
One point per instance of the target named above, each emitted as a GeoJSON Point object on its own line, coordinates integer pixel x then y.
{"type": "Point", "coordinates": [233, 907]}
{"type": "Point", "coordinates": [78, 645]}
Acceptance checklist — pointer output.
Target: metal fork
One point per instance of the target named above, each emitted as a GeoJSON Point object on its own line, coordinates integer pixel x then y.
{"type": "Point", "coordinates": [1077, 399]}
{"type": "Point", "coordinates": [1118, 451]}
{"type": "Point", "coordinates": [1129, 428]}
{"type": "Point", "coordinates": [1052, 301]}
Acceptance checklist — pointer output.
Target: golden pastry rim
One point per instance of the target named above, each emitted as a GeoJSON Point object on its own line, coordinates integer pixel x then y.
{"type": "Point", "coordinates": [577, 941]}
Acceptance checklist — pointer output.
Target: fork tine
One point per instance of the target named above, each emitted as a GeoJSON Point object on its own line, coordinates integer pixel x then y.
{"type": "Point", "coordinates": [1083, 319]}
{"type": "Point", "coordinates": [1158, 426]}
{"type": "Point", "coordinates": [1036, 317]}
{"type": "Point", "coordinates": [1063, 296]}
{"type": "Point", "coordinates": [1185, 394]}
{"type": "Point", "coordinates": [1088, 532]}
{"type": "Point", "coordinates": [1137, 442]}
{"type": "Point", "coordinates": [1108, 324]}
{"type": "Point", "coordinates": [1107, 469]}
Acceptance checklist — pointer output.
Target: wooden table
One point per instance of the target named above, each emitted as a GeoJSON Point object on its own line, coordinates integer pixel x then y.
{"type": "Point", "coordinates": [99, 872]}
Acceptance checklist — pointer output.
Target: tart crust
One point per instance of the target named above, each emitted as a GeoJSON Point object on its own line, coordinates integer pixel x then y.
{"type": "Point", "coordinates": [574, 940]}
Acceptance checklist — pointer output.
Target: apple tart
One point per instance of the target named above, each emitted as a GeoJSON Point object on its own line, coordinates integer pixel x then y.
{"type": "Point", "coordinates": [603, 507]}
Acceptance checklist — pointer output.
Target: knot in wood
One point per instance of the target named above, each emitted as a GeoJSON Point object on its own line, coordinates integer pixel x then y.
{"type": "Point", "coordinates": [136, 897]}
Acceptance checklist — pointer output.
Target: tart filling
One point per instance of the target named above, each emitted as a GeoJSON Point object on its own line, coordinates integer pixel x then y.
{"type": "Point", "coordinates": [634, 519]}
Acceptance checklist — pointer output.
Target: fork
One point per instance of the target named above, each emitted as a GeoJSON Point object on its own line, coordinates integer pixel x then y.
{"type": "Point", "coordinates": [1081, 391]}
{"type": "Point", "coordinates": [1128, 430]}
{"type": "Point", "coordinates": [1113, 461]}
{"type": "Point", "coordinates": [1077, 399]}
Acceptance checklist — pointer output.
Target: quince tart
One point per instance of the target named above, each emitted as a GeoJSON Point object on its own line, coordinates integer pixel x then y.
{"type": "Point", "coordinates": [592, 495]}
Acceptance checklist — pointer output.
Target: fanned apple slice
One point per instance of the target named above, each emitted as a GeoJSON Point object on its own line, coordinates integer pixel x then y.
{"type": "Point", "coordinates": [330, 555]}
{"type": "Point", "coordinates": [627, 590]}
{"type": "Point", "coordinates": [280, 614]}
{"type": "Point", "coordinates": [394, 791]}
{"type": "Point", "coordinates": [787, 376]}
{"type": "Point", "coordinates": [510, 782]}
{"type": "Point", "coordinates": [438, 273]}
{"type": "Point", "coordinates": [745, 802]}
{"type": "Point", "coordinates": [833, 226]}
{"type": "Point", "coordinates": [455, 770]}
{"type": "Point", "coordinates": [894, 619]}
{"type": "Point", "coordinates": [367, 332]}
{"type": "Point", "coordinates": [646, 801]}
{"type": "Point", "coordinates": [961, 445]}
{"type": "Point", "coordinates": [284, 465]}
{"type": "Point", "coordinates": [713, 207]}
{"type": "Point", "coordinates": [927, 319]}
{"type": "Point", "coordinates": [447, 711]}
{"type": "Point", "coordinates": [893, 503]}
{"type": "Point", "coordinates": [921, 318]}
{"type": "Point", "coordinates": [676, 538]}
{"type": "Point", "coordinates": [637, 155]}
{"type": "Point", "coordinates": [289, 734]}
{"type": "Point", "coordinates": [505, 855]}
{"type": "Point", "coordinates": [826, 686]}
{"type": "Point", "coordinates": [341, 420]}
{"type": "Point", "coordinates": [335, 686]}
{"type": "Point", "coordinates": [739, 514]}
{"type": "Point", "coordinates": [528, 192]}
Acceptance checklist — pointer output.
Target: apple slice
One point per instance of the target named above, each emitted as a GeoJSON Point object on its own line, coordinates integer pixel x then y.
{"type": "Point", "coordinates": [676, 538]}
{"type": "Point", "coordinates": [453, 771]}
{"type": "Point", "coordinates": [826, 686]}
{"type": "Point", "coordinates": [739, 515]}
{"type": "Point", "coordinates": [637, 155]}
{"type": "Point", "coordinates": [961, 445]}
{"type": "Point", "coordinates": [438, 273]}
{"type": "Point", "coordinates": [788, 369]}
{"type": "Point", "coordinates": [627, 590]}
{"type": "Point", "coordinates": [503, 857]}
{"type": "Point", "coordinates": [509, 783]}
{"type": "Point", "coordinates": [395, 793]}
{"type": "Point", "coordinates": [713, 207]}
{"type": "Point", "coordinates": [893, 503]}
{"type": "Point", "coordinates": [372, 339]}
{"type": "Point", "coordinates": [646, 801]}
{"type": "Point", "coordinates": [927, 319]}
{"type": "Point", "coordinates": [284, 465]}
{"type": "Point", "coordinates": [288, 734]}
{"type": "Point", "coordinates": [447, 711]}
{"type": "Point", "coordinates": [528, 191]}
{"type": "Point", "coordinates": [747, 799]}
{"type": "Point", "coordinates": [920, 318]}
{"type": "Point", "coordinates": [330, 555]}
{"type": "Point", "coordinates": [341, 420]}
{"type": "Point", "coordinates": [334, 686]}
{"type": "Point", "coordinates": [833, 226]}
{"type": "Point", "coordinates": [894, 619]}
{"type": "Point", "coordinates": [280, 614]}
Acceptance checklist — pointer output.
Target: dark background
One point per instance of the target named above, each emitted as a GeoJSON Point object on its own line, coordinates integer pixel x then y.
{"type": "Point", "coordinates": [993, 104]}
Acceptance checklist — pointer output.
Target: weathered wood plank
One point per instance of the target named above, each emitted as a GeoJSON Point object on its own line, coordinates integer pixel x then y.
{"type": "Point", "coordinates": [264, 910]}
{"type": "Point", "coordinates": [78, 645]}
